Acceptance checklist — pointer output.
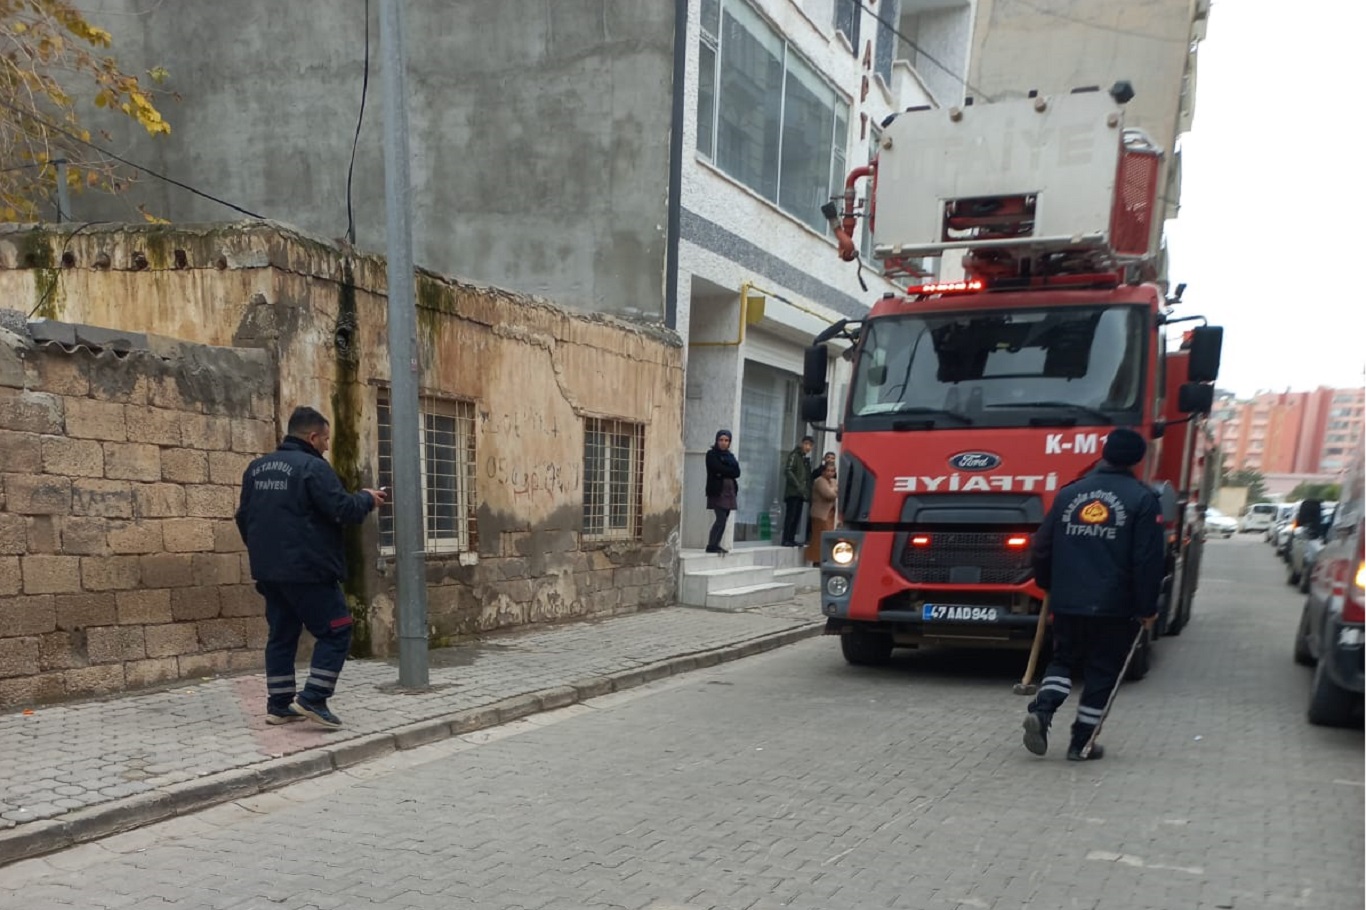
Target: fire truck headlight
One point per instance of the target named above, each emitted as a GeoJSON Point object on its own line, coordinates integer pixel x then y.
{"type": "Point", "coordinates": [837, 586]}
{"type": "Point", "coordinates": [842, 552]}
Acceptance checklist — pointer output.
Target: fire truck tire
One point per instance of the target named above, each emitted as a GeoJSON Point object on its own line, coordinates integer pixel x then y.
{"type": "Point", "coordinates": [866, 649]}
{"type": "Point", "coordinates": [1182, 613]}
{"type": "Point", "coordinates": [1139, 666]}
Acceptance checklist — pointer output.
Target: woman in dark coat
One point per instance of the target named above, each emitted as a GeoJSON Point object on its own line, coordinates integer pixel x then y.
{"type": "Point", "coordinates": [722, 472]}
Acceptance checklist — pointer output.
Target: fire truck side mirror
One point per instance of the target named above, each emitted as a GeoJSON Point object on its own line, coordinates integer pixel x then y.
{"type": "Point", "coordinates": [815, 408]}
{"type": "Point", "coordinates": [813, 370]}
{"type": "Point", "coordinates": [1195, 398]}
{"type": "Point", "coordinates": [1206, 344]}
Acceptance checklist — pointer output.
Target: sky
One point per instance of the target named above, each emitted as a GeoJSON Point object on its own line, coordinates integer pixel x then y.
{"type": "Point", "coordinates": [1273, 203]}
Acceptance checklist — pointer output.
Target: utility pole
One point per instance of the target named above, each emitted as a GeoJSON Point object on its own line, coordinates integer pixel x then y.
{"type": "Point", "coordinates": [404, 369]}
{"type": "Point", "coordinates": [63, 192]}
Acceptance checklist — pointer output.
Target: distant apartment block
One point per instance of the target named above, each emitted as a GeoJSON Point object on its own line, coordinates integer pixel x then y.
{"type": "Point", "coordinates": [1292, 432]}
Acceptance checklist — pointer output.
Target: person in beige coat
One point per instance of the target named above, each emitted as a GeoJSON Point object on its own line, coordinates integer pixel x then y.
{"type": "Point", "coordinates": [823, 492]}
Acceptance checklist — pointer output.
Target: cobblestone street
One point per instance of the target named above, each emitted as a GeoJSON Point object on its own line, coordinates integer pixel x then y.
{"type": "Point", "coordinates": [793, 780]}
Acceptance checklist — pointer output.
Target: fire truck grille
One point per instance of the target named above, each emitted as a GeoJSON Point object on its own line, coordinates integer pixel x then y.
{"type": "Point", "coordinates": [965, 557]}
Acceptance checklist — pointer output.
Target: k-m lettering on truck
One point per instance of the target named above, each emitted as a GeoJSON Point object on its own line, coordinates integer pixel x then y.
{"type": "Point", "coordinates": [975, 400]}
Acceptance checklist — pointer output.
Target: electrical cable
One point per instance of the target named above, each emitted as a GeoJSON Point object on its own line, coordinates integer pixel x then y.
{"type": "Point", "coordinates": [921, 51]}
{"type": "Point", "coordinates": [355, 141]}
{"type": "Point", "coordinates": [133, 164]}
{"type": "Point", "coordinates": [1099, 27]}
{"type": "Point", "coordinates": [52, 288]}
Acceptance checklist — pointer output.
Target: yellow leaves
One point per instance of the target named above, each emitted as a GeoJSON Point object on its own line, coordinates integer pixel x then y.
{"type": "Point", "coordinates": [149, 217]}
{"type": "Point", "coordinates": [41, 119]}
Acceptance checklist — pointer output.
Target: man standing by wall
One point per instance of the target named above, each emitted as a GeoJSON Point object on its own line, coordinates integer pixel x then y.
{"type": "Point", "coordinates": [1099, 555]}
{"type": "Point", "coordinates": [291, 513]}
{"type": "Point", "coordinates": [796, 489]}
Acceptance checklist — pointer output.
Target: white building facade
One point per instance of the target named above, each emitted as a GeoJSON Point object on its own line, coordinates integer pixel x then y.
{"type": "Point", "coordinates": [783, 98]}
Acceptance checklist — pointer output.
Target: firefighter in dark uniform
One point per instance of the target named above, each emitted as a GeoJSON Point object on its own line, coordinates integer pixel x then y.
{"type": "Point", "coordinates": [1099, 555]}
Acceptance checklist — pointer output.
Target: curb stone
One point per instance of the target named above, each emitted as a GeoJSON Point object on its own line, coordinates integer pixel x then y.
{"type": "Point", "coordinates": [37, 838]}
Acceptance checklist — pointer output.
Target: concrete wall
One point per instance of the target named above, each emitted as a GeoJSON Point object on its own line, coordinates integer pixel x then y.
{"type": "Point", "coordinates": [121, 563]}
{"type": "Point", "coordinates": [539, 131]}
{"type": "Point", "coordinates": [532, 371]}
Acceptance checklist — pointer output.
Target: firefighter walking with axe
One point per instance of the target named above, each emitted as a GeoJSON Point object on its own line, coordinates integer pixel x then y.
{"type": "Point", "coordinates": [1099, 555]}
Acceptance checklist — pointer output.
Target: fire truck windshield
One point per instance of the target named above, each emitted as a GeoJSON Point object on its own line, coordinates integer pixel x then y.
{"type": "Point", "coordinates": [1055, 366]}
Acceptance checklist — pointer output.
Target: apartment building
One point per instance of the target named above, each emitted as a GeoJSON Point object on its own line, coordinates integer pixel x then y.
{"type": "Point", "coordinates": [1301, 433]}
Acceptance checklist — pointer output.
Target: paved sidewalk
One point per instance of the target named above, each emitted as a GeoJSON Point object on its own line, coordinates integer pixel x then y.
{"type": "Point", "coordinates": [77, 772]}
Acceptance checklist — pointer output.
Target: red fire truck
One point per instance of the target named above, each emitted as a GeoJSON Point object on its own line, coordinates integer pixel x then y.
{"type": "Point", "coordinates": [974, 400]}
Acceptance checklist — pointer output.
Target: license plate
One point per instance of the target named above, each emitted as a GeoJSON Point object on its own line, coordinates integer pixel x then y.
{"type": "Point", "coordinates": [959, 613]}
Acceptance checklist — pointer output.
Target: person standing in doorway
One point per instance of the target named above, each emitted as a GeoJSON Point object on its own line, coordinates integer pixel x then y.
{"type": "Point", "coordinates": [824, 492]}
{"type": "Point", "coordinates": [290, 516]}
{"type": "Point", "coordinates": [1100, 556]}
{"type": "Point", "coordinates": [723, 474]}
{"type": "Point", "coordinates": [819, 469]}
{"type": "Point", "coordinates": [796, 489]}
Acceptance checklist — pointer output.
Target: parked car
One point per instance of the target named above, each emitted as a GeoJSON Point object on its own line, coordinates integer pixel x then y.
{"type": "Point", "coordinates": [1217, 523]}
{"type": "Point", "coordinates": [1258, 517]}
{"type": "Point", "coordinates": [1311, 527]}
{"type": "Point", "coordinates": [1285, 512]}
{"type": "Point", "coordinates": [1283, 531]}
{"type": "Point", "coordinates": [1332, 626]}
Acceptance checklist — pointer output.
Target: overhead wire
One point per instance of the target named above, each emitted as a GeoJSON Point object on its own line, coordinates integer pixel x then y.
{"type": "Point", "coordinates": [47, 124]}
{"type": "Point", "coordinates": [355, 140]}
{"type": "Point", "coordinates": [920, 50]}
{"type": "Point", "coordinates": [52, 286]}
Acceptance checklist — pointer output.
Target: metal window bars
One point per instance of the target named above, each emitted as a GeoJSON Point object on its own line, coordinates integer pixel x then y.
{"type": "Point", "coordinates": [449, 504]}
{"type": "Point", "coordinates": [613, 471]}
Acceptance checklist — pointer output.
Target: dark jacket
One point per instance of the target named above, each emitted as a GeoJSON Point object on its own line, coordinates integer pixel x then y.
{"type": "Point", "coordinates": [722, 466]}
{"type": "Point", "coordinates": [291, 513]}
{"type": "Point", "coordinates": [1099, 551]}
{"type": "Point", "coordinates": [797, 475]}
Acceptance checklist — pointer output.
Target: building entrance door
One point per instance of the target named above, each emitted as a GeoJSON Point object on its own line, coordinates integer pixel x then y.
{"type": "Point", "coordinates": [768, 431]}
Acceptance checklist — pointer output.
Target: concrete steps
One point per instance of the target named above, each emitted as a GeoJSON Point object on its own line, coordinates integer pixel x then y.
{"type": "Point", "coordinates": [804, 578]}
{"type": "Point", "coordinates": [750, 596]}
{"type": "Point", "coordinates": [744, 578]}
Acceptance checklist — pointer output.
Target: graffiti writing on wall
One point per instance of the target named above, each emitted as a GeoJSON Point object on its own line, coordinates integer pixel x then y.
{"type": "Point", "coordinates": [548, 478]}
{"type": "Point", "coordinates": [519, 423]}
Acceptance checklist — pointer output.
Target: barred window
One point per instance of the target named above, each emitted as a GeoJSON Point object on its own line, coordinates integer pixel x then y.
{"type": "Point", "coordinates": [613, 468]}
{"type": "Point", "coordinates": [448, 463]}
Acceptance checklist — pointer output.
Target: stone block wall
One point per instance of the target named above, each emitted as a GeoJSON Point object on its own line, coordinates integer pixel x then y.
{"type": "Point", "coordinates": [120, 562]}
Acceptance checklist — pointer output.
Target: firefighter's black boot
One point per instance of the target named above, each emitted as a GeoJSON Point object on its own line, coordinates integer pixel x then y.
{"type": "Point", "coordinates": [1080, 736]}
{"type": "Point", "coordinates": [1036, 732]}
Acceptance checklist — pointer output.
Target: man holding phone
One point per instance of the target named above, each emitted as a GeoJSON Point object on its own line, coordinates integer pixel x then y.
{"type": "Point", "coordinates": [290, 516]}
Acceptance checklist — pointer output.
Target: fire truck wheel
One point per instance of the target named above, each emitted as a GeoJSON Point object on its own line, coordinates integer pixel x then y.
{"type": "Point", "coordinates": [866, 649]}
{"type": "Point", "coordinates": [1139, 666]}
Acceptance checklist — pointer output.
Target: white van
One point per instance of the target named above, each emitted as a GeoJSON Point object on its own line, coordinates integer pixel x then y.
{"type": "Point", "coordinates": [1258, 517]}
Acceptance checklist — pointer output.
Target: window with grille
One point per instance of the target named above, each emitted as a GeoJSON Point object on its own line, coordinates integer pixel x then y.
{"type": "Point", "coordinates": [446, 447]}
{"type": "Point", "coordinates": [613, 468]}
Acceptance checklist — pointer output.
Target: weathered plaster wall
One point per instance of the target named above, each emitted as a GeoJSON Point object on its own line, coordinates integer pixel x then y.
{"type": "Point", "coordinates": [533, 371]}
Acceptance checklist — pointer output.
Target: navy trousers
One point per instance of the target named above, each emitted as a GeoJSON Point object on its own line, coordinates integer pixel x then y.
{"type": "Point", "coordinates": [291, 608]}
{"type": "Point", "coordinates": [1094, 648]}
